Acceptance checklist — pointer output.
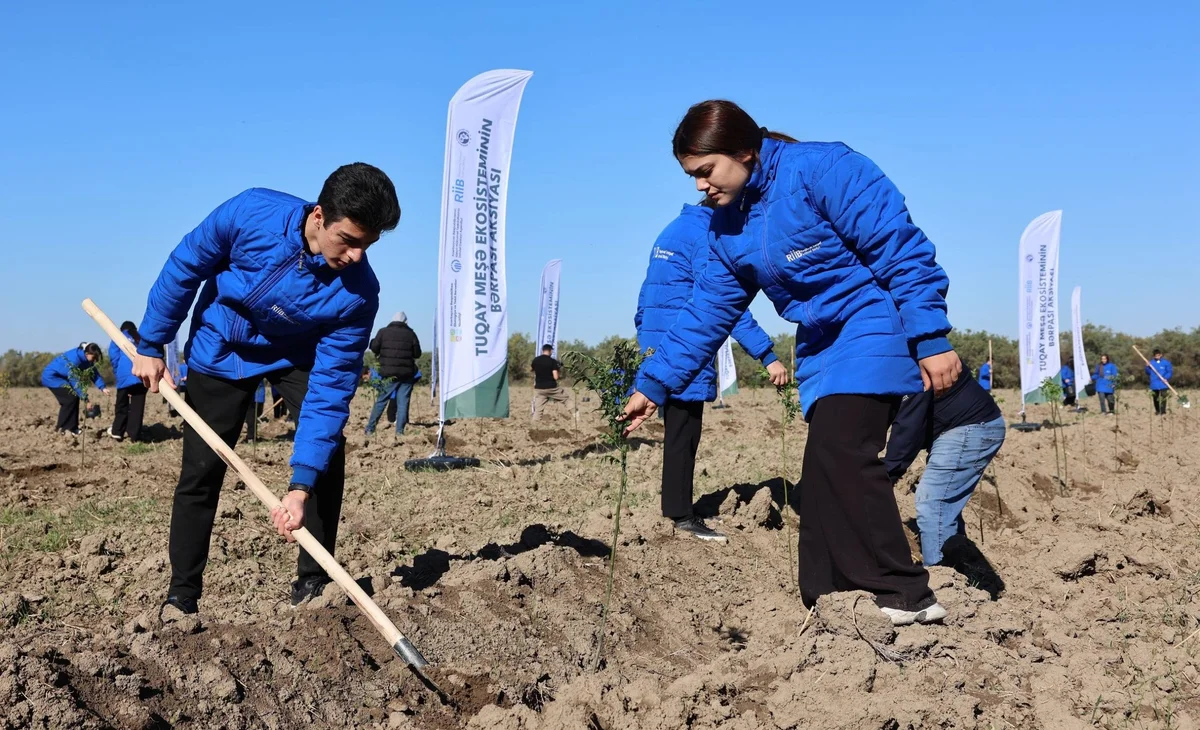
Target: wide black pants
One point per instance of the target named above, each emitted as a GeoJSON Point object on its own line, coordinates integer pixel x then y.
{"type": "Point", "coordinates": [222, 404]}
{"type": "Point", "coordinates": [851, 537]}
{"type": "Point", "coordinates": [1161, 399]}
{"type": "Point", "coordinates": [68, 409]}
{"type": "Point", "coordinates": [683, 421]}
{"type": "Point", "coordinates": [129, 411]}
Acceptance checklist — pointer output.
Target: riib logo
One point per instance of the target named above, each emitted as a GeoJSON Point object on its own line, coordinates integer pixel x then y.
{"type": "Point", "coordinates": [464, 137]}
{"type": "Point", "coordinates": [456, 266]}
{"type": "Point", "coordinates": [801, 253]}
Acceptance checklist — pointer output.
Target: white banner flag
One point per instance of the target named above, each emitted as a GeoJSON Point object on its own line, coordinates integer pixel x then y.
{"type": "Point", "coordinates": [1082, 376]}
{"type": "Point", "coordinates": [1038, 305]}
{"type": "Point", "coordinates": [726, 370]}
{"type": "Point", "coordinates": [547, 331]}
{"type": "Point", "coordinates": [472, 325]}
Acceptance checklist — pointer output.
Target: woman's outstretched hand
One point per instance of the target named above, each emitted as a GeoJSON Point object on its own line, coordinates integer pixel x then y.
{"type": "Point", "coordinates": [940, 371]}
{"type": "Point", "coordinates": [637, 410]}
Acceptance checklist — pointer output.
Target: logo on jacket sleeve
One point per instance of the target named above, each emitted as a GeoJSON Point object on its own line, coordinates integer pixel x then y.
{"type": "Point", "coordinates": [662, 253]}
{"type": "Point", "coordinates": [278, 310]}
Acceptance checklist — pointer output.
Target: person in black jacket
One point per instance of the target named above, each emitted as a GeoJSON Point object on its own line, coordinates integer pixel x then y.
{"type": "Point", "coordinates": [397, 348]}
{"type": "Point", "coordinates": [962, 429]}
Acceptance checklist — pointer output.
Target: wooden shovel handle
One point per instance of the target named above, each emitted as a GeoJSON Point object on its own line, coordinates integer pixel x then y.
{"type": "Point", "coordinates": [381, 622]}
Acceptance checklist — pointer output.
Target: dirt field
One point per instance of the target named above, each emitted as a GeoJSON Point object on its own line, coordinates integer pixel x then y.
{"type": "Point", "coordinates": [498, 576]}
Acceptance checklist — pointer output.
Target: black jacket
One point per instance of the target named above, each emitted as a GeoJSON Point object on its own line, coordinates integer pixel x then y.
{"type": "Point", "coordinates": [398, 348]}
{"type": "Point", "coordinates": [923, 418]}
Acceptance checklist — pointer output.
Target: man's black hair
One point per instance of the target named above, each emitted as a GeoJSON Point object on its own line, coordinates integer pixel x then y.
{"type": "Point", "coordinates": [1157, 351]}
{"type": "Point", "coordinates": [362, 193]}
{"type": "Point", "coordinates": [547, 348]}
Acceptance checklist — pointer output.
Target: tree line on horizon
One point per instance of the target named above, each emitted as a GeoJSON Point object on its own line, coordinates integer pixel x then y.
{"type": "Point", "coordinates": [1182, 348]}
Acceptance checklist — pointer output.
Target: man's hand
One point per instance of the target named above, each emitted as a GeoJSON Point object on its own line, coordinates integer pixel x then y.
{"type": "Point", "coordinates": [940, 371]}
{"type": "Point", "coordinates": [288, 515]}
{"type": "Point", "coordinates": [151, 370]}
{"type": "Point", "coordinates": [637, 410]}
{"type": "Point", "coordinates": [779, 374]}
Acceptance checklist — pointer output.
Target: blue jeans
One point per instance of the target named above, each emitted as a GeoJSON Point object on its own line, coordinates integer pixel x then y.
{"type": "Point", "coordinates": [956, 463]}
{"type": "Point", "coordinates": [402, 392]}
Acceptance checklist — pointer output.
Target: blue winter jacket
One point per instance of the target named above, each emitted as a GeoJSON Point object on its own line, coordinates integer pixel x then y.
{"type": "Point", "coordinates": [1104, 376]}
{"type": "Point", "coordinates": [58, 373]}
{"type": "Point", "coordinates": [985, 376]}
{"type": "Point", "coordinates": [1163, 367]}
{"type": "Point", "coordinates": [824, 233]}
{"type": "Point", "coordinates": [1067, 376]}
{"type": "Point", "coordinates": [676, 261]}
{"type": "Point", "coordinates": [122, 366]}
{"type": "Point", "coordinates": [267, 304]}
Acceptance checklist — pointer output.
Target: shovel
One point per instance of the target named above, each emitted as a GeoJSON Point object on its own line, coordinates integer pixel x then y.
{"type": "Point", "coordinates": [399, 643]}
{"type": "Point", "coordinates": [1183, 399]}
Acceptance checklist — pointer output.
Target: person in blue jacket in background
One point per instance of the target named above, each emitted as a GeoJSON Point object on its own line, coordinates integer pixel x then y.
{"type": "Point", "coordinates": [286, 294]}
{"type": "Point", "coordinates": [58, 378]}
{"type": "Point", "coordinates": [1067, 375]}
{"type": "Point", "coordinates": [1159, 371]}
{"type": "Point", "coordinates": [985, 376]}
{"type": "Point", "coordinates": [130, 408]}
{"type": "Point", "coordinates": [1105, 377]}
{"type": "Point", "coordinates": [677, 259]}
{"type": "Point", "coordinates": [826, 236]}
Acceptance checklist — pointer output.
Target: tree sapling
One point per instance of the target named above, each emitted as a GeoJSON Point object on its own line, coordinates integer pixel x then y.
{"type": "Point", "coordinates": [612, 380]}
{"type": "Point", "coordinates": [80, 380]}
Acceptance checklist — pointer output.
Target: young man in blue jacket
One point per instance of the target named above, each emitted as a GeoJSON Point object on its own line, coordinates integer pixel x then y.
{"type": "Point", "coordinates": [1159, 371]}
{"type": "Point", "coordinates": [677, 260]}
{"type": "Point", "coordinates": [286, 294]}
{"type": "Point", "coordinates": [1067, 374]}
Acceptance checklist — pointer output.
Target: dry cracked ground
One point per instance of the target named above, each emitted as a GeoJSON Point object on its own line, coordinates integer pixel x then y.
{"type": "Point", "coordinates": [1088, 619]}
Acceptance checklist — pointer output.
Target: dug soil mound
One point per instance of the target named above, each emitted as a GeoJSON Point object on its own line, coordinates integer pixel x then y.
{"type": "Point", "coordinates": [1077, 604]}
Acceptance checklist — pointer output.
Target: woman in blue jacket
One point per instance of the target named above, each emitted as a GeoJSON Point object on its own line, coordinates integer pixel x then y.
{"type": "Point", "coordinates": [131, 393]}
{"type": "Point", "coordinates": [677, 259]}
{"type": "Point", "coordinates": [1067, 375]}
{"type": "Point", "coordinates": [59, 378]}
{"type": "Point", "coordinates": [1105, 378]}
{"type": "Point", "coordinates": [826, 236]}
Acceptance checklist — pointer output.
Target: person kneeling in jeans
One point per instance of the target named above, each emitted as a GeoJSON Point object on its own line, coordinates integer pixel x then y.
{"type": "Point", "coordinates": [963, 429]}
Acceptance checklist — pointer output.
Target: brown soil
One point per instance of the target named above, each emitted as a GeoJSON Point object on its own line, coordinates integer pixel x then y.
{"type": "Point", "coordinates": [497, 575]}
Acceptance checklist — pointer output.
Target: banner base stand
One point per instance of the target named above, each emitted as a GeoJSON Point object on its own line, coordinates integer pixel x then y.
{"type": "Point", "coordinates": [441, 463]}
{"type": "Point", "coordinates": [1025, 427]}
{"type": "Point", "coordinates": [438, 461]}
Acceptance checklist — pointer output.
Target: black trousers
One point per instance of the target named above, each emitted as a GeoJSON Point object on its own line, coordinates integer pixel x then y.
{"type": "Point", "coordinates": [222, 404]}
{"type": "Point", "coordinates": [683, 421]}
{"type": "Point", "coordinates": [851, 537]}
{"type": "Point", "coordinates": [1068, 395]}
{"type": "Point", "coordinates": [68, 409]}
{"type": "Point", "coordinates": [1161, 398]}
{"type": "Point", "coordinates": [129, 411]}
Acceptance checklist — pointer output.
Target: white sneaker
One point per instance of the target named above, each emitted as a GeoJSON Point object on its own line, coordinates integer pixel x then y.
{"type": "Point", "coordinates": [113, 435]}
{"type": "Point", "coordinates": [929, 615]}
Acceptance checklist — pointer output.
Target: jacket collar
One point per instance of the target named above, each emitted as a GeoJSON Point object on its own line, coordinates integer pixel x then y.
{"type": "Point", "coordinates": [764, 171]}
{"type": "Point", "coordinates": [294, 233]}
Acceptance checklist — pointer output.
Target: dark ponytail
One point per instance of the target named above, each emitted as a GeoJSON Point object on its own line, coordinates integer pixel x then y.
{"type": "Point", "coordinates": [719, 127]}
{"type": "Point", "coordinates": [130, 329]}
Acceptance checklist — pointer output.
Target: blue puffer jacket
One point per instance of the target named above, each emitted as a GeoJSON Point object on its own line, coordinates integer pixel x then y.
{"type": "Point", "coordinates": [985, 376]}
{"type": "Point", "coordinates": [1104, 377]}
{"type": "Point", "coordinates": [676, 261]}
{"type": "Point", "coordinates": [58, 373]}
{"type": "Point", "coordinates": [267, 304]}
{"type": "Point", "coordinates": [1067, 376]}
{"type": "Point", "coordinates": [824, 233]}
{"type": "Point", "coordinates": [122, 366]}
{"type": "Point", "coordinates": [1163, 368]}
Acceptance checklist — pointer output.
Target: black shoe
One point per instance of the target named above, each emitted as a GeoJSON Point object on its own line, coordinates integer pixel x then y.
{"type": "Point", "coordinates": [695, 527]}
{"type": "Point", "coordinates": [185, 605]}
{"type": "Point", "coordinates": [306, 588]}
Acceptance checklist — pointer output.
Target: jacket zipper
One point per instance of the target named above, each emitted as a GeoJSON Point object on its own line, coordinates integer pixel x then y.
{"type": "Point", "coordinates": [261, 290]}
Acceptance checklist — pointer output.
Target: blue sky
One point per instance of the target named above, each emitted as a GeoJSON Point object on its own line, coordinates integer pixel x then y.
{"type": "Point", "coordinates": [126, 123]}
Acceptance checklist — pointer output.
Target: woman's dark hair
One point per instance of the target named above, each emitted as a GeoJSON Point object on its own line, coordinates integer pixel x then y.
{"type": "Point", "coordinates": [719, 127]}
{"type": "Point", "coordinates": [362, 193]}
{"type": "Point", "coordinates": [130, 329]}
{"type": "Point", "coordinates": [92, 349]}
{"type": "Point", "coordinates": [1105, 356]}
